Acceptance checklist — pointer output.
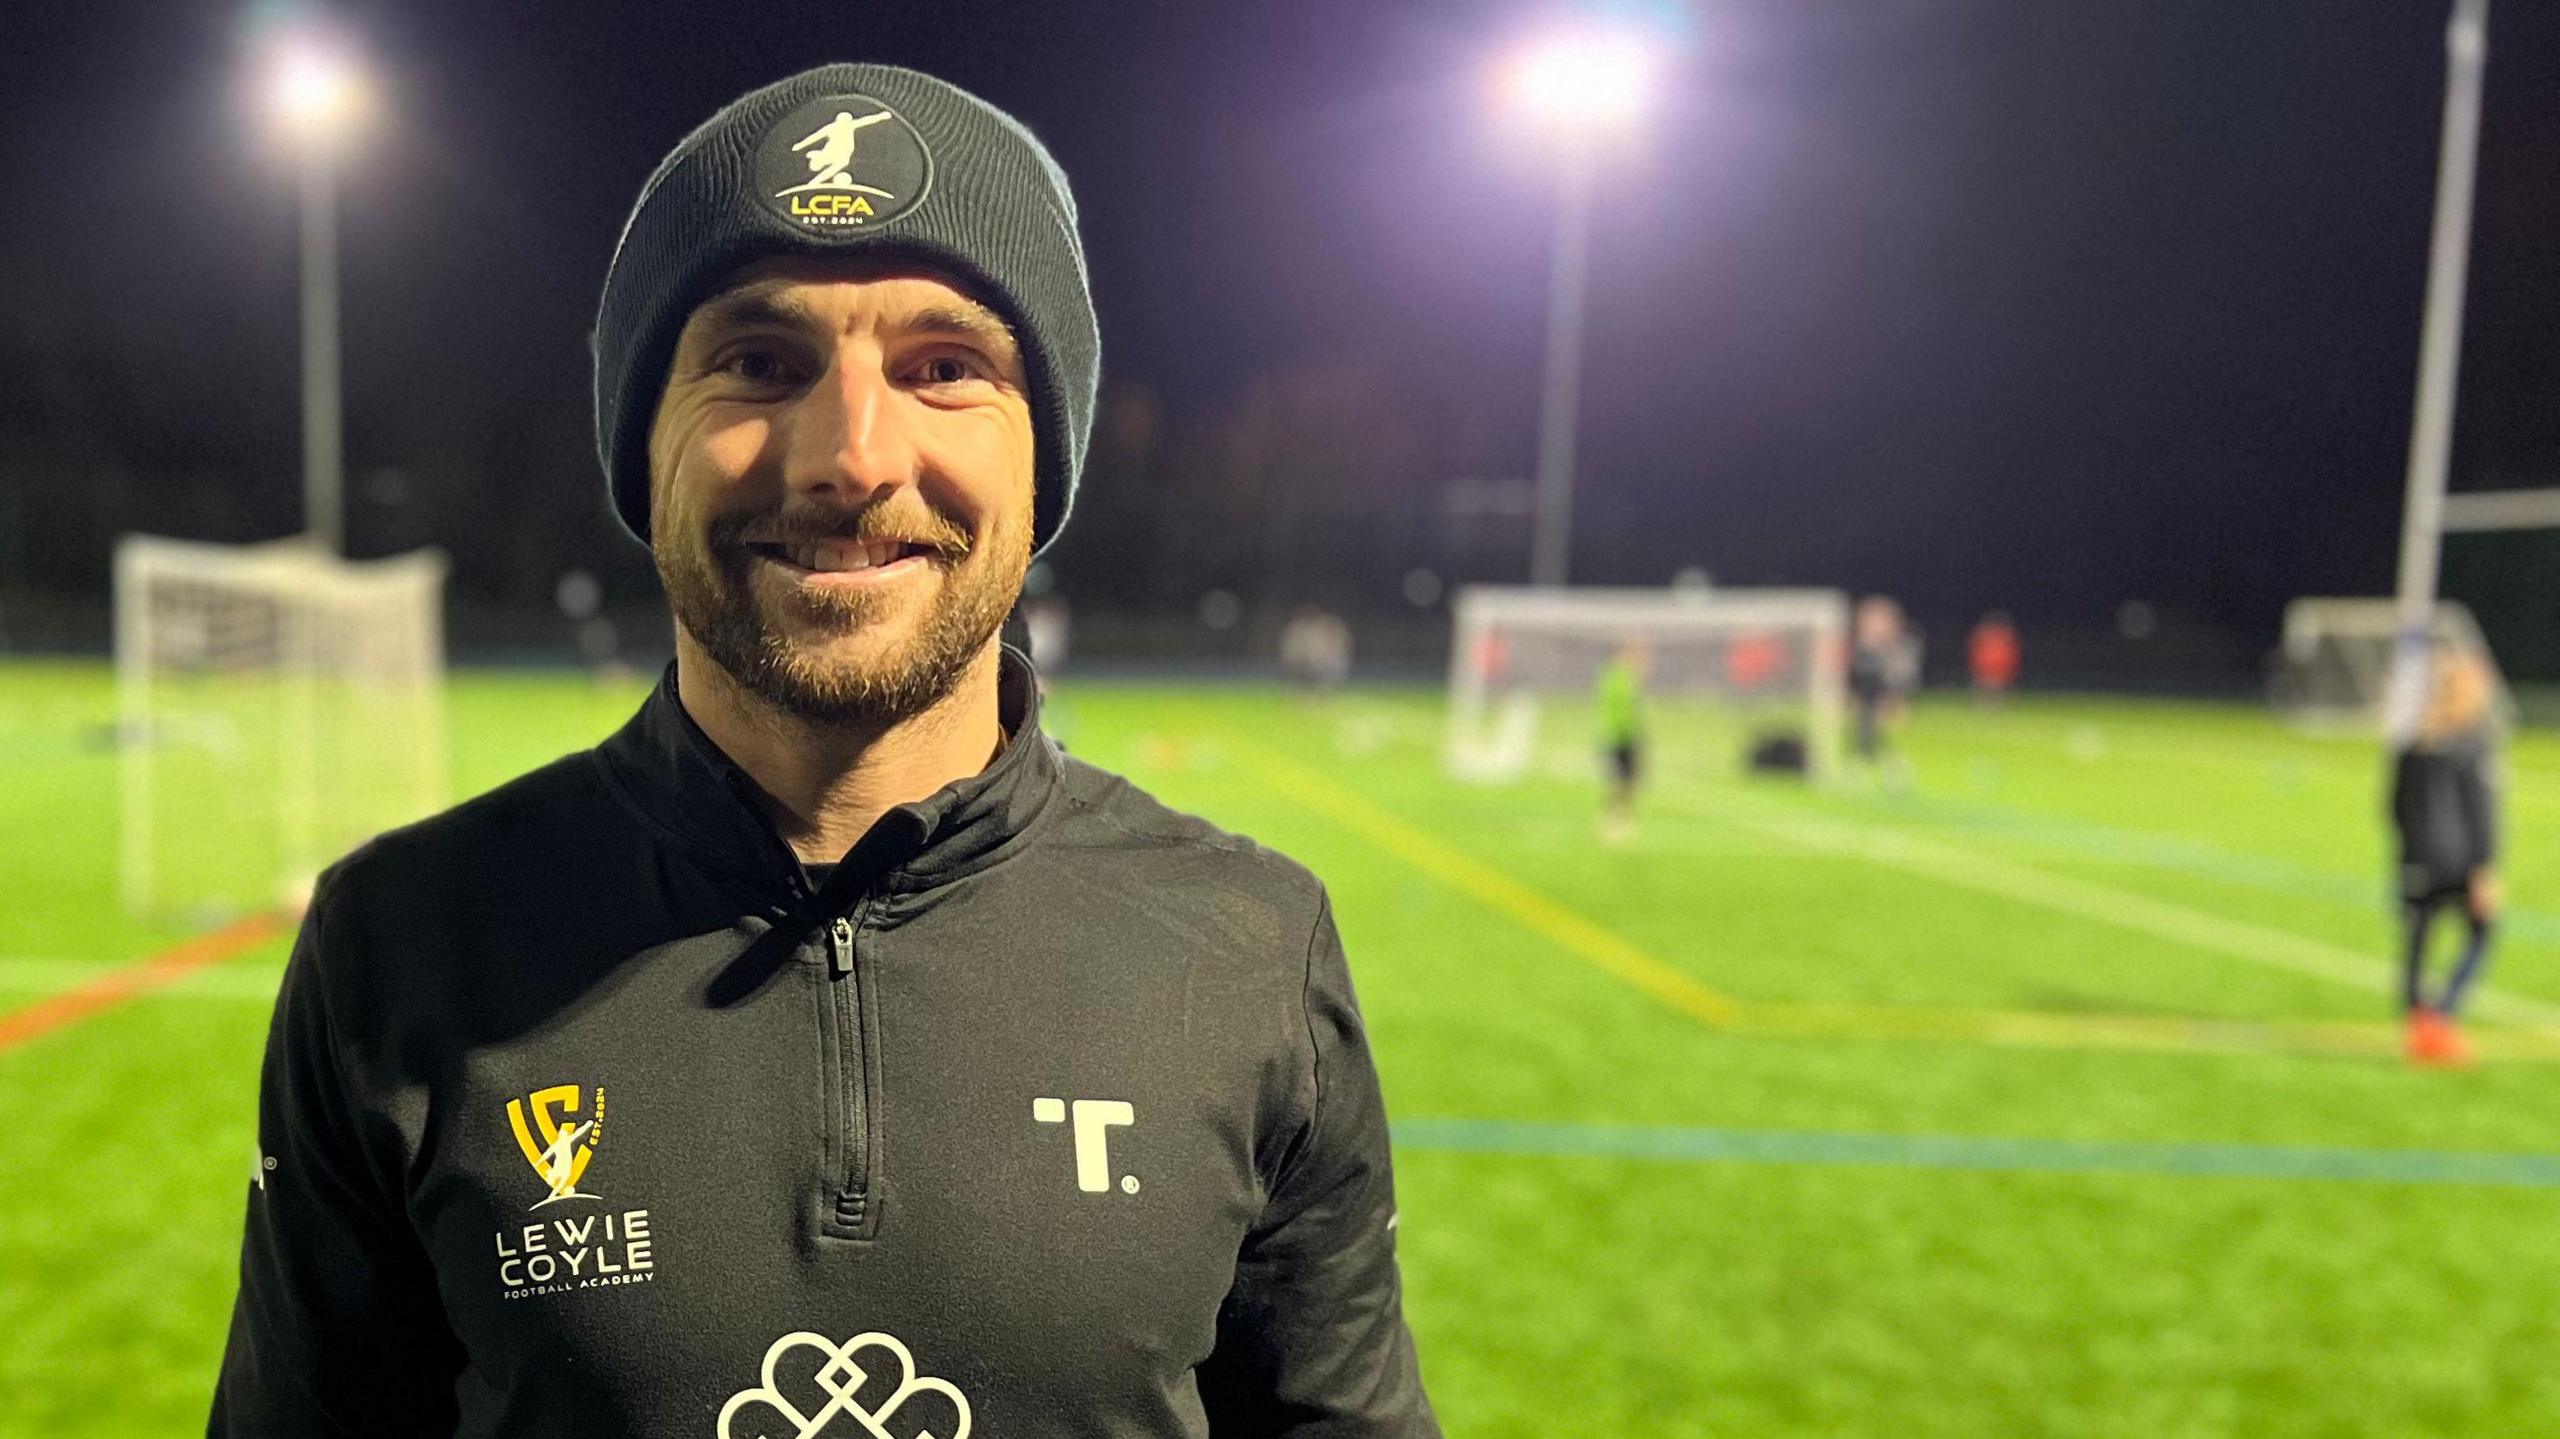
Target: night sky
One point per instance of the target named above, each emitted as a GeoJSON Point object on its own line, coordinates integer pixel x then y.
{"type": "Point", "coordinates": [1985, 302]}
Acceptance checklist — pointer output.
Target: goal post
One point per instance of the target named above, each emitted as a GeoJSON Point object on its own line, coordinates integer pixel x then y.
{"type": "Point", "coordinates": [2335, 670]}
{"type": "Point", "coordinates": [1727, 667]}
{"type": "Point", "coordinates": [276, 707]}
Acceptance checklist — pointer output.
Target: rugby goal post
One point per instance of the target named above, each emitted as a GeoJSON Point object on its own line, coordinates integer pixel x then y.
{"type": "Point", "coordinates": [1726, 666]}
{"type": "Point", "coordinates": [276, 707]}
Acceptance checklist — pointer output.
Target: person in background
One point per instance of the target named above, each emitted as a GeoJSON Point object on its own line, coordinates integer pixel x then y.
{"type": "Point", "coordinates": [1884, 668]}
{"type": "Point", "coordinates": [1619, 699]}
{"type": "Point", "coordinates": [1315, 650]}
{"type": "Point", "coordinates": [2444, 809]}
{"type": "Point", "coordinates": [1991, 654]}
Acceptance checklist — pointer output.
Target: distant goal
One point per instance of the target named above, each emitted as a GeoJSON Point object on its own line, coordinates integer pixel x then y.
{"type": "Point", "coordinates": [276, 707]}
{"type": "Point", "coordinates": [1730, 669]}
{"type": "Point", "coordinates": [2332, 673]}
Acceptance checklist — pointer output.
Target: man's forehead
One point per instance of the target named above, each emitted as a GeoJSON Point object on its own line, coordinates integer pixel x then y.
{"type": "Point", "coordinates": [815, 287]}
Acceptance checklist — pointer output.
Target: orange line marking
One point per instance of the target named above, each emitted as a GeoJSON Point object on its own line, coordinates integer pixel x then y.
{"type": "Point", "coordinates": [140, 977]}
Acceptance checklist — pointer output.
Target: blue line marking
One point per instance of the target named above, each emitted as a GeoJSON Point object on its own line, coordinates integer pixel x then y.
{"type": "Point", "coordinates": [1980, 1153]}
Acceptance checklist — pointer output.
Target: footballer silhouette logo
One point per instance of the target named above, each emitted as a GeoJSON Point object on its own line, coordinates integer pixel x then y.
{"type": "Point", "coordinates": [840, 164]}
{"type": "Point", "coordinates": [558, 1137]}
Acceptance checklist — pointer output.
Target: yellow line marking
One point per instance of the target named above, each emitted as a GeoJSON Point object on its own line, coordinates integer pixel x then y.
{"type": "Point", "coordinates": [1583, 938]}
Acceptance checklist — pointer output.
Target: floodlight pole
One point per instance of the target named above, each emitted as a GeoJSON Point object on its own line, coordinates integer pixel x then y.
{"type": "Point", "coordinates": [323, 452]}
{"type": "Point", "coordinates": [1552, 533]}
{"type": "Point", "coordinates": [2466, 43]}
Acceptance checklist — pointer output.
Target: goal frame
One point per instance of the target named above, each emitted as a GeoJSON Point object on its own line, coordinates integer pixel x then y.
{"type": "Point", "coordinates": [302, 583]}
{"type": "Point", "coordinates": [1608, 613]}
{"type": "Point", "coordinates": [2374, 621]}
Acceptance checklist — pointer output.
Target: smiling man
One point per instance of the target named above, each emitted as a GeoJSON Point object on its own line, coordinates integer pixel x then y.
{"type": "Point", "coordinates": [826, 1052]}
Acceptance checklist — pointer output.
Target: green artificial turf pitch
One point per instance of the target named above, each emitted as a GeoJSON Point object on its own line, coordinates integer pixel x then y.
{"type": "Point", "coordinates": [2054, 1096]}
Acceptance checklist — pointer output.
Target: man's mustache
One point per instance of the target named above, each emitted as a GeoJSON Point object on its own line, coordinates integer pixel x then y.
{"type": "Point", "coordinates": [927, 530]}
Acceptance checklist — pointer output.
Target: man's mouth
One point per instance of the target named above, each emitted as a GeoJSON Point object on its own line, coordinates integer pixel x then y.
{"type": "Point", "coordinates": [835, 557]}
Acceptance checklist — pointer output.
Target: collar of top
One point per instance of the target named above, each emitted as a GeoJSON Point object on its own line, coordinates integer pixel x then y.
{"type": "Point", "coordinates": [694, 792]}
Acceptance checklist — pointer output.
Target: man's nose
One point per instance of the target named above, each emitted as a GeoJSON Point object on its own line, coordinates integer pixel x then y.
{"type": "Point", "coordinates": [854, 437]}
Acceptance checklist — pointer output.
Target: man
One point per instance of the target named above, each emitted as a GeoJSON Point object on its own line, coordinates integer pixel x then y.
{"type": "Point", "coordinates": [955, 1086]}
{"type": "Point", "coordinates": [1619, 698]}
{"type": "Point", "coordinates": [1991, 656]}
{"type": "Point", "coordinates": [2444, 808]}
{"type": "Point", "coordinates": [1884, 668]}
{"type": "Point", "coordinates": [1315, 651]}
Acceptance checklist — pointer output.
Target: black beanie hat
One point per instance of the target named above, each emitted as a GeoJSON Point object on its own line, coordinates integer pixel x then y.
{"type": "Point", "coordinates": [867, 160]}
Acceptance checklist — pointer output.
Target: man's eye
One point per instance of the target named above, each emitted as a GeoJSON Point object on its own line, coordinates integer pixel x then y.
{"type": "Point", "coordinates": [946, 370]}
{"type": "Point", "coordinates": [762, 367]}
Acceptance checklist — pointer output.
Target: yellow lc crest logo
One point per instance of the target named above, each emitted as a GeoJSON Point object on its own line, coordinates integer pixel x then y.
{"type": "Point", "coordinates": [557, 1151]}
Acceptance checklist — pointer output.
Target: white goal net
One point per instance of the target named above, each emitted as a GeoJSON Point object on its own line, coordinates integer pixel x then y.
{"type": "Point", "coordinates": [276, 707]}
{"type": "Point", "coordinates": [1728, 672]}
{"type": "Point", "coordinates": [2333, 673]}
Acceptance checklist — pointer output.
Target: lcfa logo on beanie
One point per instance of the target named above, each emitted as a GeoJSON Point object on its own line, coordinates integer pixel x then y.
{"type": "Point", "coordinates": [842, 161]}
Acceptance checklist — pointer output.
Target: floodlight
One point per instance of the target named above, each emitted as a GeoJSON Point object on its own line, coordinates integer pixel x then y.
{"type": "Point", "coordinates": [316, 93]}
{"type": "Point", "coordinates": [317, 89]}
{"type": "Point", "coordinates": [1598, 79]}
{"type": "Point", "coordinates": [1579, 87]}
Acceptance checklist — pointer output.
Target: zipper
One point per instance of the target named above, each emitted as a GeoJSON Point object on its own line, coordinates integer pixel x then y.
{"type": "Point", "coordinates": [850, 1002]}
{"type": "Point", "coordinates": [851, 1007]}
{"type": "Point", "coordinates": [849, 1014]}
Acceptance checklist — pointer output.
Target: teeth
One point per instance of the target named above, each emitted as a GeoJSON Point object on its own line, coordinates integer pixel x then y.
{"type": "Point", "coordinates": [840, 556]}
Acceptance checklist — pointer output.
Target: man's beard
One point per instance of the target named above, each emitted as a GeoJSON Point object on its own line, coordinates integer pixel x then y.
{"type": "Point", "coordinates": [709, 585]}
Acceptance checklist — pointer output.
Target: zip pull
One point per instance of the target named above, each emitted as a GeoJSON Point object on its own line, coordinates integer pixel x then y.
{"type": "Point", "coordinates": [840, 947]}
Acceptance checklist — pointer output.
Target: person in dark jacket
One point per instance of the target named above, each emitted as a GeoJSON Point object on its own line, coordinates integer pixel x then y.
{"type": "Point", "coordinates": [826, 1052]}
{"type": "Point", "coordinates": [1884, 670]}
{"type": "Point", "coordinates": [2444, 809]}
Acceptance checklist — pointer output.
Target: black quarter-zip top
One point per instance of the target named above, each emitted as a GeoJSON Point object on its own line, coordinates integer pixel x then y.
{"type": "Point", "coordinates": [1045, 1110]}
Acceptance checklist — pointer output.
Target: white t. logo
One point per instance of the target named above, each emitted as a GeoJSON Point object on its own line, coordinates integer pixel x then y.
{"type": "Point", "coordinates": [1093, 1119]}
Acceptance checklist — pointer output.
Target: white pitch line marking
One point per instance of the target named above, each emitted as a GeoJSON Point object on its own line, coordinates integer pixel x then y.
{"type": "Point", "coordinates": [2274, 948]}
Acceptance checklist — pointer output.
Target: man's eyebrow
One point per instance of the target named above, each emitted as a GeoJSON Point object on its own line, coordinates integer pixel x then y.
{"type": "Point", "coordinates": [748, 310]}
{"type": "Point", "coordinates": [760, 308]}
{"type": "Point", "coordinates": [964, 321]}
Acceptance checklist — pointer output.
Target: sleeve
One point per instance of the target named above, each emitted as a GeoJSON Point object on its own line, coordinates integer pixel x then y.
{"type": "Point", "coordinates": [337, 1330]}
{"type": "Point", "coordinates": [2480, 789]}
{"type": "Point", "coordinates": [2406, 793]}
{"type": "Point", "coordinates": [1312, 1340]}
